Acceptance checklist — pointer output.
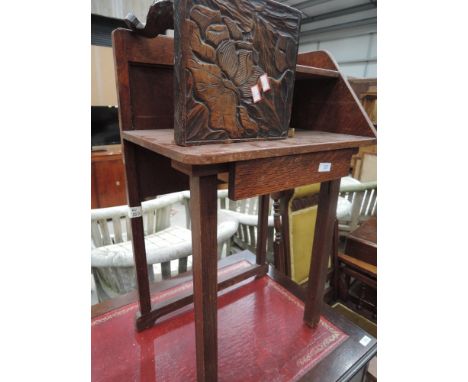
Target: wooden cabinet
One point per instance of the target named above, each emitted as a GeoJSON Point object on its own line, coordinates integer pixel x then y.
{"type": "Point", "coordinates": [364, 164]}
{"type": "Point", "coordinates": [107, 177]}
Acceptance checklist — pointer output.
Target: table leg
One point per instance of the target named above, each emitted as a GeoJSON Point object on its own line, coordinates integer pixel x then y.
{"type": "Point", "coordinates": [326, 215]}
{"type": "Point", "coordinates": [262, 228]}
{"type": "Point", "coordinates": [336, 263]}
{"type": "Point", "coordinates": [138, 236]}
{"type": "Point", "coordinates": [204, 250]}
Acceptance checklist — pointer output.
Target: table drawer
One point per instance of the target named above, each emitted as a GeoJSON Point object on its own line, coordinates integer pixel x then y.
{"type": "Point", "coordinates": [264, 176]}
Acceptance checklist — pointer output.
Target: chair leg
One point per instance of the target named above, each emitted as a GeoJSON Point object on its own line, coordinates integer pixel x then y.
{"type": "Point", "coordinates": [346, 281]}
{"type": "Point", "coordinates": [183, 264]}
{"type": "Point", "coordinates": [362, 294]}
{"type": "Point", "coordinates": [150, 273]}
{"type": "Point", "coordinates": [166, 270]}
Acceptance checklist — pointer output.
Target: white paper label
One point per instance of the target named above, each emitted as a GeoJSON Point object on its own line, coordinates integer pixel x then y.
{"type": "Point", "coordinates": [324, 167]}
{"type": "Point", "coordinates": [365, 341]}
{"type": "Point", "coordinates": [255, 93]}
{"type": "Point", "coordinates": [265, 82]}
{"type": "Point", "coordinates": [134, 212]}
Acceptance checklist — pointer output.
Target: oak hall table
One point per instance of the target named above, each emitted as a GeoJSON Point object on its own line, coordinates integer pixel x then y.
{"type": "Point", "coordinates": [330, 126]}
{"type": "Point", "coordinates": [359, 261]}
{"type": "Point", "coordinates": [255, 168]}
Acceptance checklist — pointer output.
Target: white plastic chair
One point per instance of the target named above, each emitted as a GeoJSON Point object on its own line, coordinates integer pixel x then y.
{"type": "Point", "coordinates": [112, 254]}
{"type": "Point", "coordinates": [246, 212]}
{"type": "Point", "coordinates": [363, 199]}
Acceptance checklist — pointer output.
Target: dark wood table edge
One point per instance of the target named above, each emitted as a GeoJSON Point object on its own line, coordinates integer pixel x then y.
{"type": "Point", "coordinates": [300, 293]}
{"type": "Point", "coordinates": [363, 362]}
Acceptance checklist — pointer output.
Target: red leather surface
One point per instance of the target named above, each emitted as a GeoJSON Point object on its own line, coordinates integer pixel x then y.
{"type": "Point", "coordinates": [261, 337]}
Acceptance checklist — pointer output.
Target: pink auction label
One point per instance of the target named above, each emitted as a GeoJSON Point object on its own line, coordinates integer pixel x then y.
{"type": "Point", "coordinates": [265, 82]}
{"type": "Point", "coordinates": [255, 93]}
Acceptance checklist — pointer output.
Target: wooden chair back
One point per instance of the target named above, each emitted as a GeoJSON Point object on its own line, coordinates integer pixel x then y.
{"type": "Point", "coordinates": [156, 217]}
{"type": "Point", "coordinates": [246, 236]}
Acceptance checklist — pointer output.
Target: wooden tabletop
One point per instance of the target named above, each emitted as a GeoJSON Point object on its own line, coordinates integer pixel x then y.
{"type": "Point", "coordinates": [162, 142]}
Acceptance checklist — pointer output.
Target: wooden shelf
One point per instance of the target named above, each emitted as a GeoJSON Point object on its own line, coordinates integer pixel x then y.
{"type": "Point", "coordinates": [303, 72]}
{"type": "Point", "coordinates": [162, 142]}
{"type": "Point", "coordinates": [364, 267]}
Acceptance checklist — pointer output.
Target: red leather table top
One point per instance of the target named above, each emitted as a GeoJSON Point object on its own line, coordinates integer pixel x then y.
{"type": "Point", "coordinates": [261, 337]}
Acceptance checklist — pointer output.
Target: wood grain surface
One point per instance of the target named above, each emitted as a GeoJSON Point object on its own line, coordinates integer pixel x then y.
{"type": "Point", "coordinates": [138, 235]}
{"type": "Point", "coordinates": [303, 71]}
{"type": "Point", "coordinates": [262, 231]}
{"type": "Point", "coordinates": [107, 178]}
{"type": "Point", "coordinates": [327, 104]}
{"type": "Point", "coordinates": [321, 248]}
{"type": "Point", "coordinates": [362, 266]}
{"type": "Point", "coordinates": [362, 242]}
{"type": "Point", "coordinates": [162, 142]}
{"type": "Point", "coordinates": [259, 176]}
{"type": "Point", "coordinates": [222, 48]}
{"type": "Point", "coordinates": [203, 211]}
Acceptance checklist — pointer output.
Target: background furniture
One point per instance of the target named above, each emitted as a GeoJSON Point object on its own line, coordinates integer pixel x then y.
{"type": "Point", "coordinates": [366, 91]}
{"type": "Point", "coordinates": [246, 212]}
{"type": "Point", "coordinates": [358, 265]}
{"type": "Point", "coordinates": [112, 256]}
{"type": "Point", "coordinates": [107, 177]}
{"type": "Point", "coordinates": [297, 210]}
{"type": "Point", "coordinates": [363, 197]}
{"type": "Point", "coordinates": [366, 166]}
{"type": "Point", "coordinates": [364, 163]}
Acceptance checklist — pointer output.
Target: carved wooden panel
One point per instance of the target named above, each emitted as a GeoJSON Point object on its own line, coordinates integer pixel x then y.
{"type": "Point", "coordinates": [234, 69]}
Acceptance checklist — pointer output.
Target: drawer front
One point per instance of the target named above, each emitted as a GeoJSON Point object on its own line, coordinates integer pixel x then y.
{"type": "Point", "coordinates": [264, 176]}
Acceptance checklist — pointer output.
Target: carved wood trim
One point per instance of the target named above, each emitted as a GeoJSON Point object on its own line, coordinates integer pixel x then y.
{"type": "Point", "coordinates": [222, 48]}
{"type": "Point", "coordinates": [304, 202]}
